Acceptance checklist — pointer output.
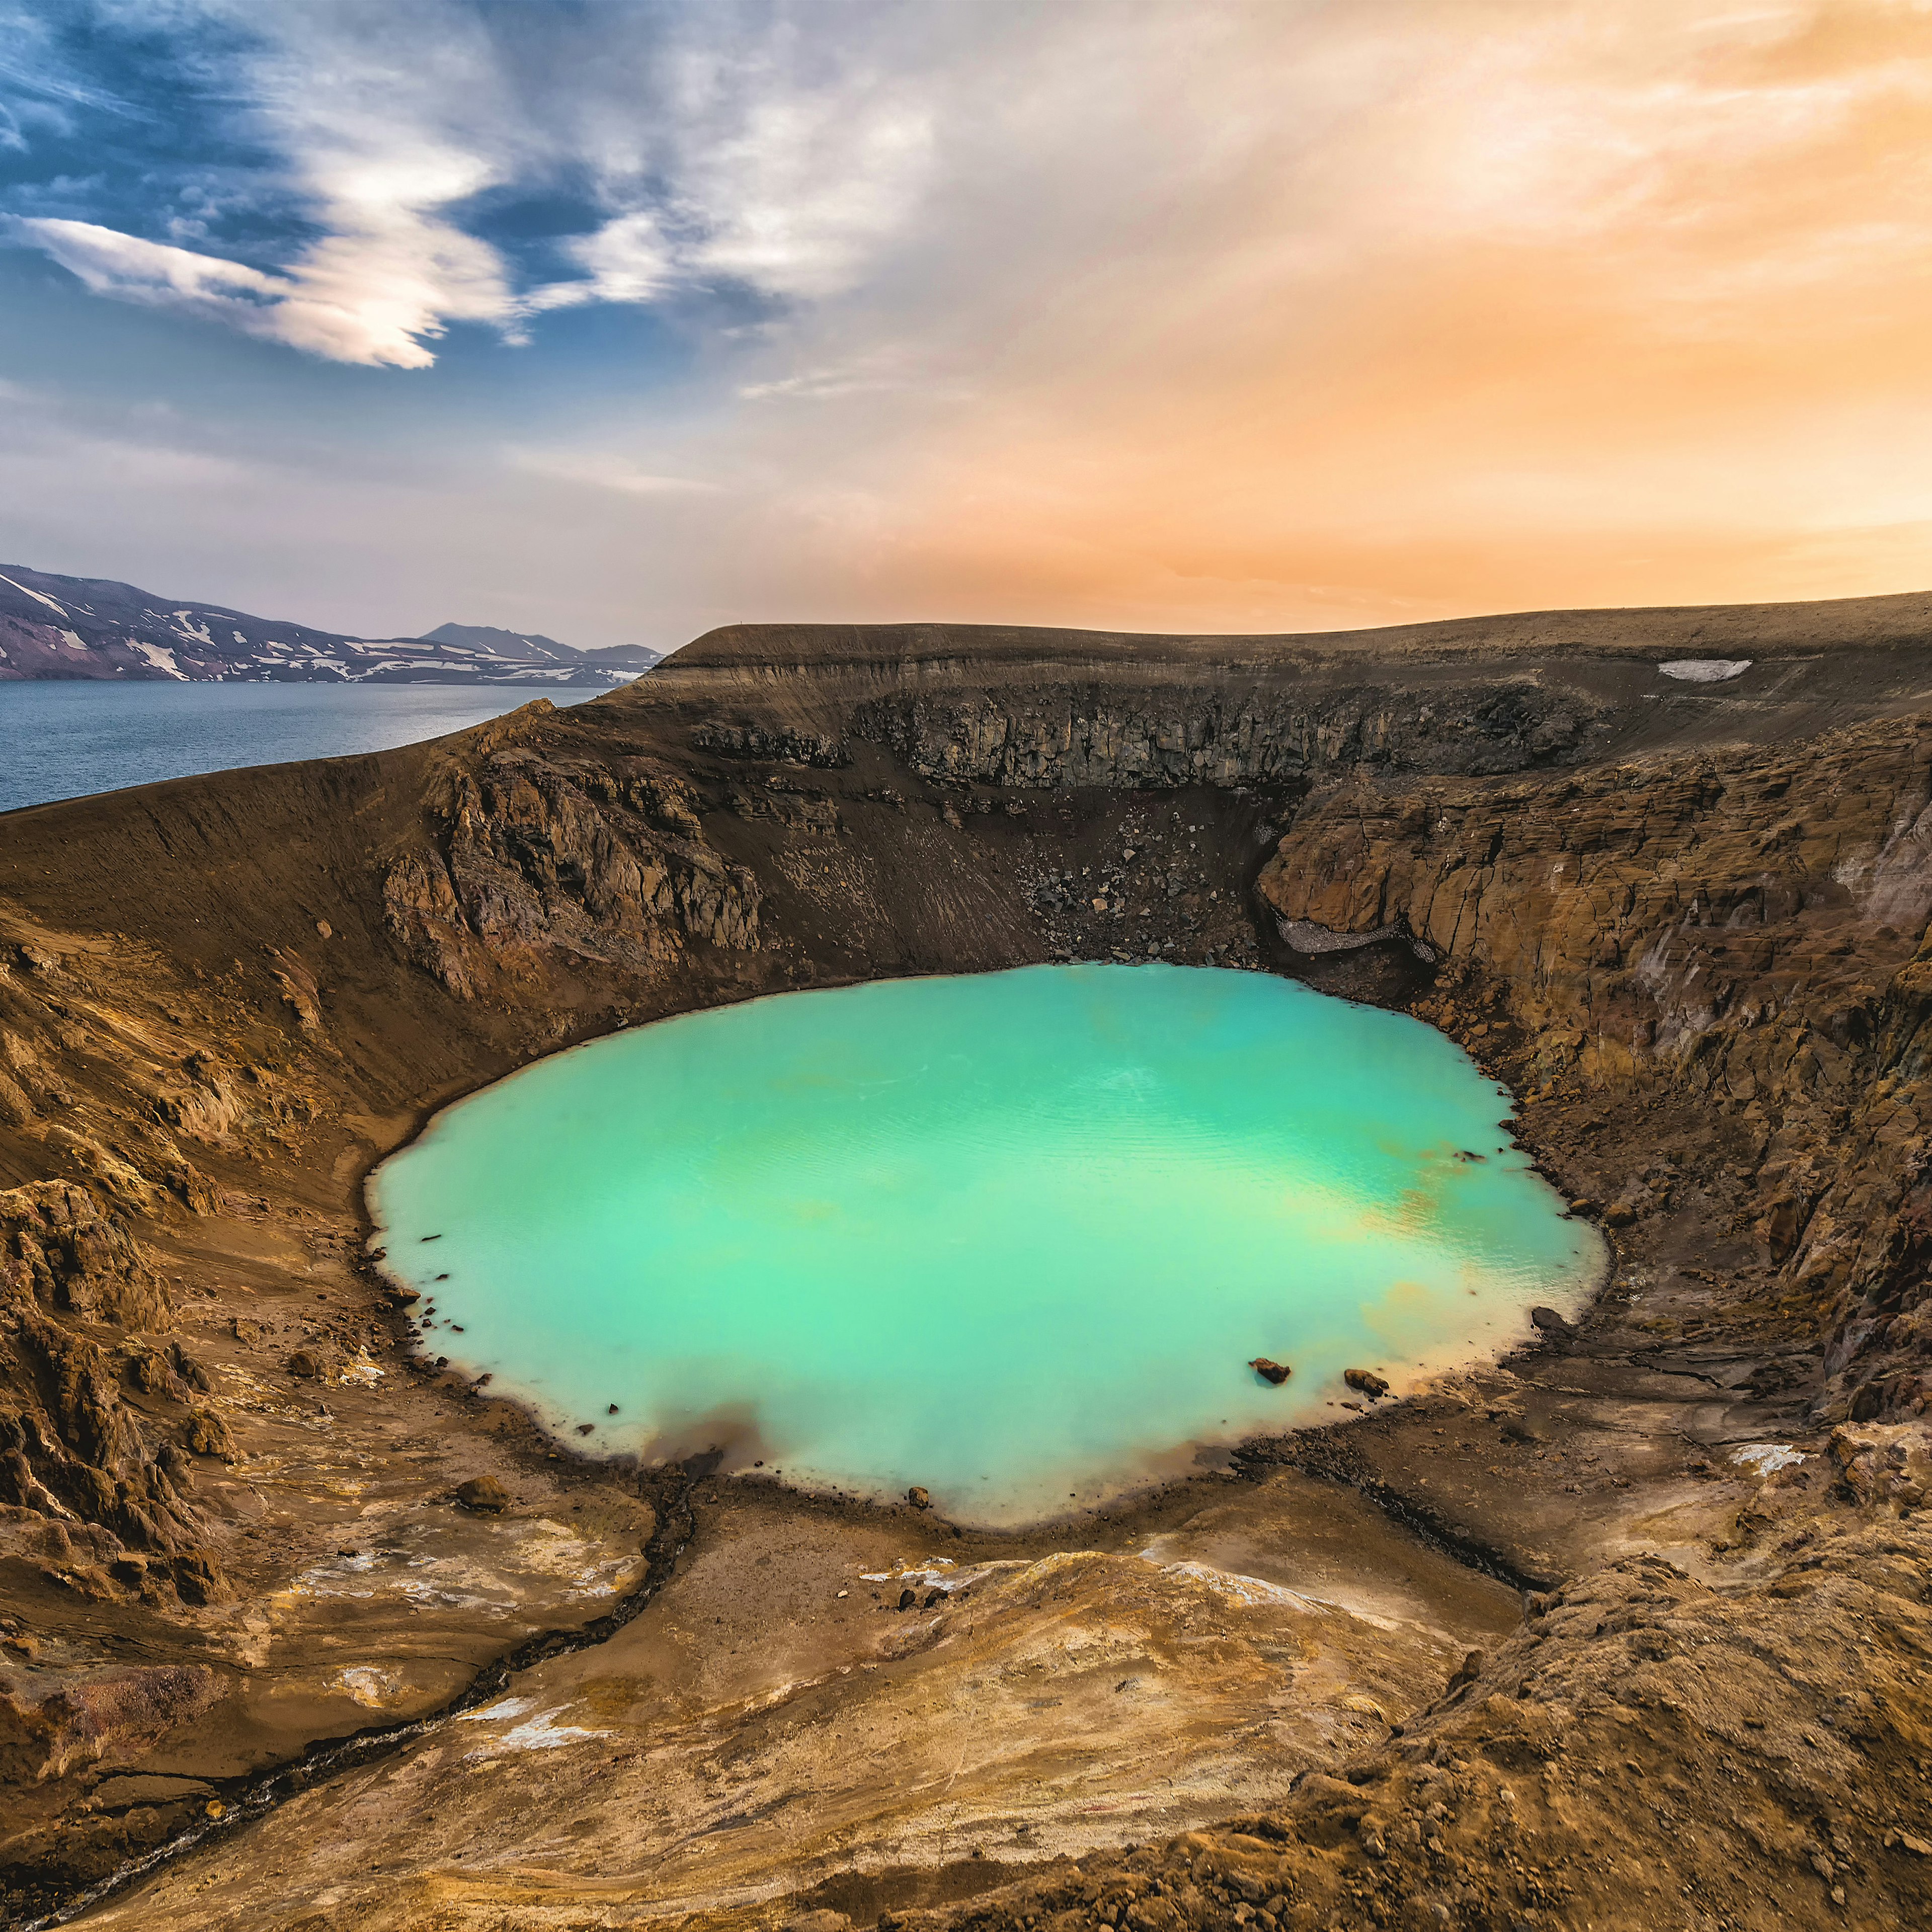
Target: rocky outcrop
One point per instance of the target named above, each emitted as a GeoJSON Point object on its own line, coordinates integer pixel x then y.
{"type": "Point", "coordinates": [72, 1451]}
{"type": "Point", "coordinates": [540, 864]}
{"type": "Point", "coordinates": [1746, 927]}
{"type": "Point", "coordinates": [787, 744]}
{"type": "Point", "coordinates": [1174, 735]}
{"type": "Point", "coordinates": [60, 1248]}
{"type": "Point", "coordinates": [108, 1716]}
{"type": "Point", "coordinates": [225, 1106]}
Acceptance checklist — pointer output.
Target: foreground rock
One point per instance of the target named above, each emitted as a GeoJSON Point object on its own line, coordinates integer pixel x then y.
{"type": "Point", "coordinates": [1571, 1782]}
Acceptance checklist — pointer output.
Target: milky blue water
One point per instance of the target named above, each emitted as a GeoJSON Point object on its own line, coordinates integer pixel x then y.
{"type": "Point", "coordinates": [67, 738]}
{"type": "Point", "coordinates": [1014, 1237]}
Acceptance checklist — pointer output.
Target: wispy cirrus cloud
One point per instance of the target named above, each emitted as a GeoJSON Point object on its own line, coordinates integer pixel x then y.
{"type": "Point", "coordinates": [373, 297]}
{"type": "Point", "coordinates": [600, 470]}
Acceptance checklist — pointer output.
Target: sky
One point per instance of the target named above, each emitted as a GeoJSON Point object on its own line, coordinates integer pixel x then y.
{"type": "Point", "coordinates": [618, 320]}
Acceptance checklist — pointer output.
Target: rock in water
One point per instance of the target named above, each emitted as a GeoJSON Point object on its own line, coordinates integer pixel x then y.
{"type": "Point", "coordinates": [918, 1498]}
{"type": "Point", "coordinates": [1276, 1372]}
{"type": "Point", "coordinates": [484, 1493]}
{"type": "Point", "coordinates": [1370, 1383]}
{"type": "Point", "coordinates": [1549, 1321]}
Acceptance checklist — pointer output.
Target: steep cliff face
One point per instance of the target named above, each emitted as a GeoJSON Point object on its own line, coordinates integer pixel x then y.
{"type": "Point", "coordinates": [531, 863]}
{"type": "Point", "coordinates": [1746, 927]}
{"type": "Point", "coordinates": [1713, 915]}
{"type": "Point", "coordinates": [1209, 736]}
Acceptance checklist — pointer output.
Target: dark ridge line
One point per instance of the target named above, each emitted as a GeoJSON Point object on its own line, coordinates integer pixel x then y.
{"type": "Point", "coordinates": [1316, 1453]}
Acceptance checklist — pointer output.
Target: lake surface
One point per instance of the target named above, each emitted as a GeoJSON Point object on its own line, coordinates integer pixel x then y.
{"type": "Point", "coordinates": [1014, 1237]}
{"type": "Point", "coordinates": [62, 739]}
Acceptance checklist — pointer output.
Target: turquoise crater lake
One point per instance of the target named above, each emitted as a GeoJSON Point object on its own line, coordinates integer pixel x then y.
{"type": "Point", "coordinates": [1013, 1236]}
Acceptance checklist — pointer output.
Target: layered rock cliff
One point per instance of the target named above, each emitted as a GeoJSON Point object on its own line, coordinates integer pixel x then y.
{"type": "Point", "coordinates": [533, 863]}
{"type": "Point", "coordinates": [1746, 927]}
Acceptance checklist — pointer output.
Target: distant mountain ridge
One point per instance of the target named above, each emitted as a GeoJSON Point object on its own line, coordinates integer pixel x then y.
{"type": "Point", "coordinates": [488, 637]}
{"type": "Point", "coordinates": [53, 627]}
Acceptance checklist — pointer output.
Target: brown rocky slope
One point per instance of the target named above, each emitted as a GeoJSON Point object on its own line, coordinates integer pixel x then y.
{"type": "Point", "coordinates": [1686, 920]}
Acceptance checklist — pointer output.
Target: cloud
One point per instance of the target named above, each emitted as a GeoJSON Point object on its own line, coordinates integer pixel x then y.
{"type": "Point", "coordinates": [369, 298]}
{"type": "Point", "coordinates": [628, 259]}
{"type": "Point", "coordinates": [1265, 314]}
{"type": "Point", "coordinates": [720, 149]}
{"type": "Point", "coordinates": [796, 189]}
{"type": "Point", "coordinates": [600, 470]}
{"type": "Point", "coordinates": [112, 264]}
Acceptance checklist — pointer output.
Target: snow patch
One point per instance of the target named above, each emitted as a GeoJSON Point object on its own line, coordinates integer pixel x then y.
{"type": "Point", "coordinates": [503, 1708]}
{"type": "Point", "coordinates": [160, 656]}
{"type": "Point", "coordinates": [541, 1733]}
{"type": "Point", "coordinates": [371, 1688]}
{"type": "Point", "coordinates": [1706, 670]}
{"type": "Point", "coordinates": [26, 592]}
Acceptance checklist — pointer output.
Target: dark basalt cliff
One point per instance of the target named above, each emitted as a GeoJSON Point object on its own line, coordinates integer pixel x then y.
{"type": "Point", "coordinates": [1685, 918]}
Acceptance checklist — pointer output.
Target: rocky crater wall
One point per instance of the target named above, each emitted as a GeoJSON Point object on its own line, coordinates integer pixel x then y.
{"type": "Point", "coordinates": [1746, 927]}
{"type": "Point", "coordinates": [1687, 923]}
{"type": "Point", "coordinates": [1206, 736]}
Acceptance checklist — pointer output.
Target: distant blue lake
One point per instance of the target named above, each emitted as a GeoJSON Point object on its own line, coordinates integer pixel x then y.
{"type": "Point", "coordinates": [68, 739]}
{"type": "Point", "coordinates": [1013, 1236]}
